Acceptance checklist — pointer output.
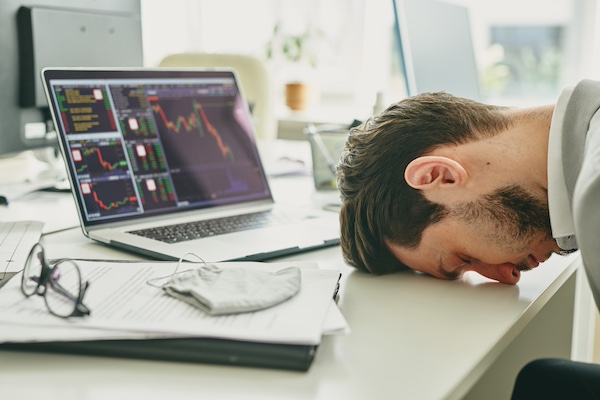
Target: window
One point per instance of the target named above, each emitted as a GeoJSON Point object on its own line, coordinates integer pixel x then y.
{"type": "Point", "coordinates": [528, 51]}
{"type": "Point", "coordinates": [526, 61]}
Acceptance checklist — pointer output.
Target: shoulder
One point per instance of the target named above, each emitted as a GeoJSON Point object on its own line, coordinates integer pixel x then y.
{"type": "Point", "coordinates": [586, 196]}
{"type": "Point", "coordinates": [582, 102]}
{"type": "Point", "coordinates": [587, 88]}
{"type": "Point", "coordinates": [588, 83]}
{"type": "Point", "coordinates": [586, 214]}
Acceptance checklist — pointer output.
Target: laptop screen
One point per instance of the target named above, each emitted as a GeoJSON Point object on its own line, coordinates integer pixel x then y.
{"type": "Point", "coordinates": [149, 142]}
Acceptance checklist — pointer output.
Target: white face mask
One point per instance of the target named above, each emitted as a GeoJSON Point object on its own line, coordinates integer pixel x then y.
{"type": "Point", "coordinates": [228, 290]}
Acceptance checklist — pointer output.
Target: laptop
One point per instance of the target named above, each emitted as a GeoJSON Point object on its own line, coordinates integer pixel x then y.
{"type": "Point", "coordinates": [165, 162]}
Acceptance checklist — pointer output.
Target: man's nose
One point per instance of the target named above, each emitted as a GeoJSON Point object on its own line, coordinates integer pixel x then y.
{"type": "Point", "coordinates": [504, 273]}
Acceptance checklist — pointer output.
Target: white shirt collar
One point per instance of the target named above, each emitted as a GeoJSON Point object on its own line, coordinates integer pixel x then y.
{"type": "Point", "coordinates": [561, 217]}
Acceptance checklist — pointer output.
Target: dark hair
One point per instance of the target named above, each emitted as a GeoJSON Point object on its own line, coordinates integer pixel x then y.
{"type": "Point", "coordinates": [377, 203]}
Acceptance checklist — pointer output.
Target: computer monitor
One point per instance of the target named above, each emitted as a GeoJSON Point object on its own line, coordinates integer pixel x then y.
{"type": "Point", "coordinates": [59, 33]}
{"type": "Point", "coordinates": [436, 48]}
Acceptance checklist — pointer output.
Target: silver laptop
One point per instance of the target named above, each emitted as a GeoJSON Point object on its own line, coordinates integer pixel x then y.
{"type": "Point", "coordinates": [164, 162]}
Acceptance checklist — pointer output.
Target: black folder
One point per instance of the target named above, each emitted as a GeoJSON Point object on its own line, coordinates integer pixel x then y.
{"type": "Point", "coordinates": [193, 350]}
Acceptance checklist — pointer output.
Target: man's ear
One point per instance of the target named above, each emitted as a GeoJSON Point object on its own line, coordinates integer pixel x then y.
{"type": "Point", "coordinates": [429, 172]}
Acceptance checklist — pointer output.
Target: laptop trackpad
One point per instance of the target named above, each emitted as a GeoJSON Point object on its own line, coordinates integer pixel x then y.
{"type": "Point", "coordinates": [275, 238]}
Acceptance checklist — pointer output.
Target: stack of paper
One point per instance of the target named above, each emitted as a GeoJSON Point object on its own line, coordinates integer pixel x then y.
{"type": "Point", "coordinates": [124, 306]}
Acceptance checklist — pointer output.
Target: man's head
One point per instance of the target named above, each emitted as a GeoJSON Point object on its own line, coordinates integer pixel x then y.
{"type": "Point", "coordinates": [411, 196]}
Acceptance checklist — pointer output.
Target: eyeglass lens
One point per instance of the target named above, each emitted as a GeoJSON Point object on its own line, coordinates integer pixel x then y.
{"type": "Point", "coordinates": [60, 284]}
{"type": "Point", "coordinates": [63, 288]}
{"type": "Point", "coordinates": [33, 270]}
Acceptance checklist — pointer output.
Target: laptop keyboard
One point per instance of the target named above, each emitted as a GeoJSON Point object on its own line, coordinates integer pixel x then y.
{"type": "Point", "coordinates": [219, 226]}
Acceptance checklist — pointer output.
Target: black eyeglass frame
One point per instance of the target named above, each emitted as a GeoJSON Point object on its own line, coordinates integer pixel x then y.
{"type": "Point", "coordinates": [47, 278]}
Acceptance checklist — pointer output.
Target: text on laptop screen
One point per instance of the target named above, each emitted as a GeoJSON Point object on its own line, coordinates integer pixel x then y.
{"type": "Point", "coordinates": [140, 146]}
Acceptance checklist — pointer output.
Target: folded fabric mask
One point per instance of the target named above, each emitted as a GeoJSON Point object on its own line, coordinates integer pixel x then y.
{"type": "Point", "coordinates": [229, 290]}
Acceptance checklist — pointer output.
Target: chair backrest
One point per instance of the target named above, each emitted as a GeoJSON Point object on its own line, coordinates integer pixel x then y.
{"type": "Point", "coordinates": [254, 79]}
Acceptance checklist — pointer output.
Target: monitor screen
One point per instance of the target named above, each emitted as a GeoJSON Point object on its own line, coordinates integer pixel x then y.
{"type": "Point", "coordinates": [56, 33]}
{"type": "Point", "coordinates": [436, 48]}
{"type": "Point", "coordinates": [141, 142]}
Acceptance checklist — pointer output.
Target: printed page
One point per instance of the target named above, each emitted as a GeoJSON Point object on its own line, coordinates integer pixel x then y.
{"type": "Point", "coordinates": [120, 299]}
{"type": "Point", "coordinates": [17, 238]}
{"type": "Point", "coordinates": [11, 332]}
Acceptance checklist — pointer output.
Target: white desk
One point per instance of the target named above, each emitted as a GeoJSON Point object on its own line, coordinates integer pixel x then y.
{"type": "Point", "coordinates": [413, 337]}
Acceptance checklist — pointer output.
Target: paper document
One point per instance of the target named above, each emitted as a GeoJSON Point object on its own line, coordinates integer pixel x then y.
{"type": "Point", "coordinates": [16, 240]}
{"type": "Point", "coordinates": [120, 300]}
{"type": "Point", "coordinates": [11, 332]}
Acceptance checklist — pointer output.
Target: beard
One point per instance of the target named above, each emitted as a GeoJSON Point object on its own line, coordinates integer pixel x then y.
{"type": "Point", "coordinates": [510, 217]}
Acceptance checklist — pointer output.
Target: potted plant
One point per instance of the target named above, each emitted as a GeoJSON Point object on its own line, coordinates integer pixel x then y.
{"type": "Point", "coordinates": [297, 55]}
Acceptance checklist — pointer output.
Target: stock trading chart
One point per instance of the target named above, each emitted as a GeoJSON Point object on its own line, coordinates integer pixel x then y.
{"type": "Point", "coordinates": [140, 147]}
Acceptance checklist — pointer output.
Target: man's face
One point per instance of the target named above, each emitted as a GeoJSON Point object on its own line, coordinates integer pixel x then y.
{"type": "Point", "coordinates": [499, 235]}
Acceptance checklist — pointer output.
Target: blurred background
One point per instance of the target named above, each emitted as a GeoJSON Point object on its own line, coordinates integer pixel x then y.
{"type": "Point", "coordinates": [525, 51]}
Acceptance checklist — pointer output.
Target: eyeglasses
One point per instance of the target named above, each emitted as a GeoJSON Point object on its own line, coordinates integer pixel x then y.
{"type": "Point", "coordinates": [60, 284]}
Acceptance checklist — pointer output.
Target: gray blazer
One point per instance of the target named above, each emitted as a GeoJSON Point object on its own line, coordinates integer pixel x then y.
{"type": "Point", "coordinates": [581, 163]}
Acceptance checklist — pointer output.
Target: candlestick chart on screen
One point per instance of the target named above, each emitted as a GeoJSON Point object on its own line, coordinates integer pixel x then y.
{"type": "Point", "coordinates": [189, 125]}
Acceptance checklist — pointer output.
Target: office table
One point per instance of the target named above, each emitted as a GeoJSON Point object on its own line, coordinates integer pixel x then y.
{"type": "Point", "coordinates": [412, 337]}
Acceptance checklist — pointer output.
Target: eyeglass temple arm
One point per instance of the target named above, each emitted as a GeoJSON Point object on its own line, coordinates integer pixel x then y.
{"type": "Point", "coordinates": [80, 307]}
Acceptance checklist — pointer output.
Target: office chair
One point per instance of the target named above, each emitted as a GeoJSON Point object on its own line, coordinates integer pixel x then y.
{"type": "Point", "coordinates": [254, 79]}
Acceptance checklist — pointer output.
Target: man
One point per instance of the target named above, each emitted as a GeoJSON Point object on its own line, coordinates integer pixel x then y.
{"type": "Point", "coordinates": [444, 185]}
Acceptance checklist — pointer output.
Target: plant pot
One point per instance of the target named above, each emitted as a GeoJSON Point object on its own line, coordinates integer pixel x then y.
{"type": "Point", "coordinates": [297, 96]}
